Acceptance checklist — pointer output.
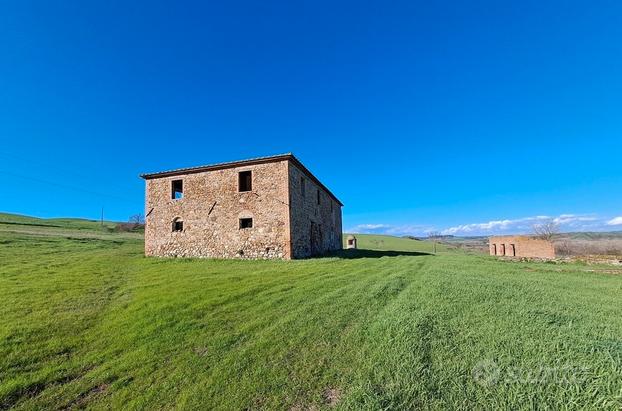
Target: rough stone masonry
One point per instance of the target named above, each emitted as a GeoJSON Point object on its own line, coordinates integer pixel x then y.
{"type": "Point", "coordinates": [521, 246]}
{"type": "Point", "coordinates": [268, 207]}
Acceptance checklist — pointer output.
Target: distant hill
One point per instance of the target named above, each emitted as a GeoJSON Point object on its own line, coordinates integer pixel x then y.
{"type": "Point", "coordinates": [388, 242]}
{"type": "Point", "coordinates": [608, 235]}
{"type": "Point", "coordinates": [73, 223]}
{"type": "Point", "coordinates": [22, 223]}
{"type": "Point", "coordinates": [439, 238]}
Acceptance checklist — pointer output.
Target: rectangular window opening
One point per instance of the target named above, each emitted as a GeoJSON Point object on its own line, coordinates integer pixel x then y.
{"type": "Point", "coordinates": [494, 249]}
{"type": "Point", "coordinates": [177, 189]}
{"type": "Point", "coordinates": [318, 197]}
{"type": "Point", "coordinates": [246, 223]}
{"type": "Point", "coordinates": [245, 181]}
{"type": "Point", "coordinates": [513, 250]}
{"type": "Point", "coordinates": [178, 225]}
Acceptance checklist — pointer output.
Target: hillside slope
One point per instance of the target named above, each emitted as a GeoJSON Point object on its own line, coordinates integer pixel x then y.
{"type": "Point", "coordinates": [69, 227]}
{"type": "Point", "coordinates": [69, 223]}
{"type": "Point", "coordinates": [387, 242]}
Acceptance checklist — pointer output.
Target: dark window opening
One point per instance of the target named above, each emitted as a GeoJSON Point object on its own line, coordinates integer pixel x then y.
{"type": "Point", "coordinates": [494, 249]}
{"type": "Point", "coordinates": [245, 181]}
{"type": "Point", "coordinates": [178, 225]}
{"type": "Point", "coordinates": [502, 249]}
{"type": "Point", "coordinates": [303, 190]}
{"type": "Point", "coordinates": [513, 250]}
{"type": "Point", "coordinates": [177, 189]}
{"type": "Point", "coordinates": [318, 197]}
{"type": "Point", "coordinates": [246, 223]}
{"type": "Point", "coordinates": [350, 242]}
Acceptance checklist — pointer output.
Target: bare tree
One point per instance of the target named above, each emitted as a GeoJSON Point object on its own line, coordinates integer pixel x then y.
{"type": "Point", "coordinates": [137, 219]}
{"type": "Point", "coordinates": [434, 235]}
{"type": "Point", "coordinates": [546, 230]}
{"type": "Point", "coordinates": [134, 223]}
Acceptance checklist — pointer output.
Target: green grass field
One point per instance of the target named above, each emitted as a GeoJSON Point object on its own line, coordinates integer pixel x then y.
{"type": "Point", "coordinates": [87, 322]}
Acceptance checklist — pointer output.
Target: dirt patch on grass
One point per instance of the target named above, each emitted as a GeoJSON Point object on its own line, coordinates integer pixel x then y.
{"type": "Point", "coordinates": [84, 398]}
{"type": "Point", "coordinates": [615, 272]}
{"type": "Point", "coordinates": [299, 407]}
{"type": "Point", "coordinates": [332, 396]}
{"type": "Point", "coordinates": [201, 351]}
{"type": "Point", "coordinates": [598, 259]}
{"type": "Point", "coordinates": [32, 390]}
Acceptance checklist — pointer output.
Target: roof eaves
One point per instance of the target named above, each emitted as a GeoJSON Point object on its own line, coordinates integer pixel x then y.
{"type": "Point", "coordinates": [215, 166]}
{"type": "Point", "coordinates": [239, 163]}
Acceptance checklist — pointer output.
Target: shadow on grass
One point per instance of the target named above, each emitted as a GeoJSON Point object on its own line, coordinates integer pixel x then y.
{"type": "Point", "coordinates": [359, 253]}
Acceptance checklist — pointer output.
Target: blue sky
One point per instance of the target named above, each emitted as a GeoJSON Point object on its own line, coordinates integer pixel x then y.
{"type": "Point", "coordinates": [461, 117]}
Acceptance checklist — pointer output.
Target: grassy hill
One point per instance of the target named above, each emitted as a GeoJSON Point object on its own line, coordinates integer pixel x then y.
{"type": "Point", "coordinates": [387, 242]}
{"type": "Point", "coordinates": [67, 223]}
{"type": "Point", "coordinates": [87, 321]}
{"type": "Point", "coordinates": [75, 228]}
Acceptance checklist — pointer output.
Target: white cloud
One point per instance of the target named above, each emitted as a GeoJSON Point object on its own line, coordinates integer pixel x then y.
{"type": "Point", "coordinates": [363, 228]}
{"type": "Point", "coordinates": [566, 222]}
{"type": "Point", "coordinates": [414, 230]}
{"type": "Point", "coordinates": [372, 226]}
{"type": "Point", "coordinates": [615, 221]}
{"type": "Point", "coordinates": [495, 226]}
{"type": "Point", "coordinates": [396, 230]}
{"type": "Point", "coordinates": [572, 219]}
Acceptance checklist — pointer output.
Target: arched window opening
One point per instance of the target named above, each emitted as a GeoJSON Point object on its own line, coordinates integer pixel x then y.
{"type": "Point", "coordinates": [178, 225]}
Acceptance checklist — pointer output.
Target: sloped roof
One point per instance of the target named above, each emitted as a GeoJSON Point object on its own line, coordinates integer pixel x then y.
{"type": "Point", "coordinates": [240, 163]}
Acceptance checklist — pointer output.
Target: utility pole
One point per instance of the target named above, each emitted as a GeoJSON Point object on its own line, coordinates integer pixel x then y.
{"type": "Point", "coordinates": [434, 236]}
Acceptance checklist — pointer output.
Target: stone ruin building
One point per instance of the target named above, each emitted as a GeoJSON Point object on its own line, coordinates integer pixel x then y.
{"type": "Point", "coordinates": [268, 207]}
{"type": "Point", "coordinates": [521, 246]}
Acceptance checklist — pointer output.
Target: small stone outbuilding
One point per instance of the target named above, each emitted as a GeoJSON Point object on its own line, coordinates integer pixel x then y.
{"type": "Point", "coordinates": [351, 242]}
{"type": "Point", "coordinates": [268, 207]}
{"type": "Point", "coordinates": [521, 246]}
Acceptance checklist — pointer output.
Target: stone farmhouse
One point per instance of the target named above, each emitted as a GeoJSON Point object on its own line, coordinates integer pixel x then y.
{"type": "Point", "coordinates": [268, 207]}
{"type": "Point", "coordinates": [521, 246]}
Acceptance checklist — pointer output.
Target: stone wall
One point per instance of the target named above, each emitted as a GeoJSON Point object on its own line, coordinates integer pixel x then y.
{"type": "Point", "coordinates": [521, 246]}
{"type": "Point", "coordinates": [315, 229]}
{"type": "Point", "coordinates": [211, 208]}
